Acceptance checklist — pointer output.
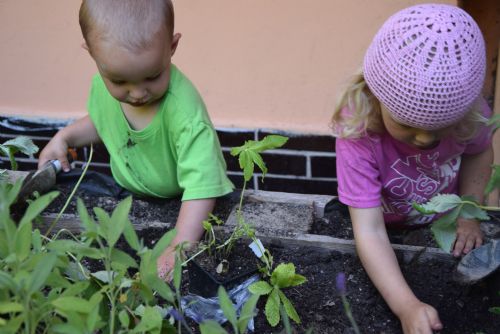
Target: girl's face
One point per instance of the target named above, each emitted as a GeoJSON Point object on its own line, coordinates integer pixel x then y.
{"type": "Point", "coordinates": [136, 78]}
{"type": "Point", "coordinates": [419, 138]}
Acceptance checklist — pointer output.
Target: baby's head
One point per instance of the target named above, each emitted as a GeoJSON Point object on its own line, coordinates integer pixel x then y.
{"type": "Point", "coordinates": [426, 66]}
{"type": "Point", "coordinates": [132, 42]}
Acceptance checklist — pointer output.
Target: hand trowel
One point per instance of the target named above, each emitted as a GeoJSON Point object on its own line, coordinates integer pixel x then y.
{"type": "Point", "coordinates": [41, 180]}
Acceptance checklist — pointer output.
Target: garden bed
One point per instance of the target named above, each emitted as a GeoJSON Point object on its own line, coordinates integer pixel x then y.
{"type": "Point", "coordinates": [429, 272]}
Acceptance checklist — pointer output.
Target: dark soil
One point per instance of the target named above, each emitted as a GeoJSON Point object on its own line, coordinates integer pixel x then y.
{"type": "Point", "coordinates": [463, 309]}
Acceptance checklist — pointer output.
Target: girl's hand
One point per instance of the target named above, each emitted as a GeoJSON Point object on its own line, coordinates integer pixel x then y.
{"type": "Point", "coordinates": [420, 318]}
{"type": "Point", "coordinates": [469, 236]}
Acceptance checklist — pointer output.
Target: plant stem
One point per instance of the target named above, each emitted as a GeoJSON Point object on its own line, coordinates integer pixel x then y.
{"type": "Point", "coordinates": [347, 310]}
{"type": "Point", "coordinates": [72, 193]}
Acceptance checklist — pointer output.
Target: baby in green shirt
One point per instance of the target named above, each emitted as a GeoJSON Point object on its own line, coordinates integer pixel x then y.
{"type": "Point", "coordinates": [149, 116]}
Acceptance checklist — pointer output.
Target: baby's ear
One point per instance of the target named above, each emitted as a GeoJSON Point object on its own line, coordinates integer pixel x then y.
{"type": "Point", "coordinates": [85, 46]}
{"type": "Point", "coordinates": [175, 43]}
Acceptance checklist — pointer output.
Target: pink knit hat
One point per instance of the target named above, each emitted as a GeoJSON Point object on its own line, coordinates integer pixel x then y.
{"type": "Point", "coordinates": [427, 65]}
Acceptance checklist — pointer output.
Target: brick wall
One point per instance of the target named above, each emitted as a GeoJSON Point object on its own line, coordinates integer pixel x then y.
{"type": "Point", "coordinates": [306, 164]}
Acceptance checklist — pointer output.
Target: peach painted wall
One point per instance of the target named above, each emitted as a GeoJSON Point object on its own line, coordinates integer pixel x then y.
{"type": "Point", "coordinates": [259, 64]}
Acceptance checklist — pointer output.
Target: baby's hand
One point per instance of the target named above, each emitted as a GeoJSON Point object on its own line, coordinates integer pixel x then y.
{"type": "Point", "coordinates": [469, 236]}
{"type": "Point", "coordinates": [56, 149]}
{"type": "Point", "coordinates": [165, 264]}
{"type": "Point", "coordinates": [420, 318]}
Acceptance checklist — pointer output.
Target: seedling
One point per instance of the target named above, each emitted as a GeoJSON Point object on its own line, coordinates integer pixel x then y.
{"type": "Point", "coordinates": [19, 144]}
{"type": "Point", "coordinates": [282, 277]}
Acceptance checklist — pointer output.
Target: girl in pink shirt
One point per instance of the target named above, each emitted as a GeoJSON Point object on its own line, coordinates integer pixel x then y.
{"type": "Point", "coordinates": [410, 126]}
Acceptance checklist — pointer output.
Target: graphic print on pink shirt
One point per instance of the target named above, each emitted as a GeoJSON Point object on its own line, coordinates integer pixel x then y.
{"type": "Point", "coordinates": [417, 178]}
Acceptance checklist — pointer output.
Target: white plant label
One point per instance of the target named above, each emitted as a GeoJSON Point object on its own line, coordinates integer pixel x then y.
{"type": "Point", "coordinates": [257, 248]}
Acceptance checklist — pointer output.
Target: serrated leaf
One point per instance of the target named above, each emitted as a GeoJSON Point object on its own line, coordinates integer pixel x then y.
{"type": "Point", "coordinates": [439, 203]}
{"type": "Point", "coordinates": [290, 310]}
{"type": "Point", "coordinates": [268, 143]}
{"type": "Point", "coordinates": [246, 163]}
{"type": "Point", "coordinates": [260, 288]}
{"type": "Point", "coordinates": [257, 159]}
{"type": "Point", "coordinates": [272, 308]}
{"type": "Point", "coordinates": [297, 280]}
{"type": "Point", "coordinates": [444, 229]}
{"type": "Point", "coordinates": [471, 211]}
{"type": "Point", "coordinates": [283, 274]}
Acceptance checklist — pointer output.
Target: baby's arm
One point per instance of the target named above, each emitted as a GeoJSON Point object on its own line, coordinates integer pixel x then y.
{"type": "Point", "coordinates": [189, 228]}
{"type": "Point", "coordinates": [378, 258]}
{"type": "Point", "coordinates": [78, 134]}
{"type": "Point", "coordinates": [474, 175]}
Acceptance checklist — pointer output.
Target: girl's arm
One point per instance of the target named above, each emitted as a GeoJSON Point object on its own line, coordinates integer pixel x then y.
{"type": "Point", "coordinates": [189, 228]}
{"type": "Point", "coordinates": [475, 172]}
{"type": "Point", "coordinates": [80, 133]}
{"type": "Point", "coordinates": [379, 260]}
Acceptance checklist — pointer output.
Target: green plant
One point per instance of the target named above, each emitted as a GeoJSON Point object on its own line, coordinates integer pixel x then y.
{"type": "Point", "coordinates": [45, 288]}
{"type": "Point", "coordinates": [239, 325]}
{"type": "Point", "coordinates": [282, 277]}
{"type": "Point", "coordinates": [19, 144]}
{"type": "Point", "coordinates": [451, 207]}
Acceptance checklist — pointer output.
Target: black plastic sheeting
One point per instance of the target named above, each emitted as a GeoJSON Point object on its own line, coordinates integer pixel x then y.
{"type": "Point", "coordinates": [93, 183]}
{"type": "Point", "coordinates": [30, 127]}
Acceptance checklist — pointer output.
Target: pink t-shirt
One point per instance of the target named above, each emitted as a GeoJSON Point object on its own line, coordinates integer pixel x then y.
{"type": "Point", "coordinates": [378, 170]}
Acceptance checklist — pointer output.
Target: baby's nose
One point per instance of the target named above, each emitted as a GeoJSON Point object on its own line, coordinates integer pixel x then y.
{"type": "Point", "coordinates": [137, 93]}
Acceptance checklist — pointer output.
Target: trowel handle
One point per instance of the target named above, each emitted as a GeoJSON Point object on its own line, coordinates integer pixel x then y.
{"type": "Point", "coordinates": [71, 156]}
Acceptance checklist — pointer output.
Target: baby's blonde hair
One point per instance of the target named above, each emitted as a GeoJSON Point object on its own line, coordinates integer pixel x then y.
{"type": "Point", "coordinates": [357, 113]}
{"type": "Point", "coordinates": [131, 24]}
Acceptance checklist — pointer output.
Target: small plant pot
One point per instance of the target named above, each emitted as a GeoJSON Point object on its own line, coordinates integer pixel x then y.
{"type": "Point", "coordinates": [205, 284]}
{"type": "Point", "coordinates": [204, 280]}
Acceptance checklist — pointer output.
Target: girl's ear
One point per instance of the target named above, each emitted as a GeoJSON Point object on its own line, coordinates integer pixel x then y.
{"type": "Point", "coordinates": [175, 42]}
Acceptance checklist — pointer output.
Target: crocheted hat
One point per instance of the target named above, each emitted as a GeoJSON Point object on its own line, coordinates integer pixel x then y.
{"type": "Point", "coordinates": [427, 65]}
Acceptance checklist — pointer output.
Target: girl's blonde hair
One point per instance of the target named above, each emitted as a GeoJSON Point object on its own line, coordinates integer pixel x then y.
{"type": "Point", "coordinates": [357, 113]}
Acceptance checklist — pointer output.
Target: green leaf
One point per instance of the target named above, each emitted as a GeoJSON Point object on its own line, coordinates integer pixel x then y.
{"type": "Point", "coordinates": [177, 274]}
{"type": "Point", "coordinates": [72, 304]}
{"type": "Point", "coordinates": [131, 236]}
{"type": "Point", "coordinates": [247, 312]}
{"type": "Point", "coordinates": [163, 243]}
{"type": "Point", "coordinates": [495, 310]}
{"type": "Point", "coordinates": [62, 246]}
{"type": "Point", "coordinates": [151, 321]}
{"type": "Point", "coordinates": [10, 307]}
{"type": "Point", "coordinates": [472, 211]}
{"type": "Point", "coordinates": [22, 144]}
{"type": "Point", "coordinates": [7, 282]}
{"type": "Point", "coordinates": [123, 258]}
{"type": "Point", "coordinates": [22, 240]}
{"type": "Point", "coordinates": [227, 307]}
{"type": "Point", "coordinates": [269, 142]}
{"type": "Point", "coordinates": [257, 159]}
{"type": "Point", "coordinates": [260, 288]}
{"type": "Point", "coordinates": [211, 327]}
{"type": "Point", "coordinates": [104, 276]}
{"type": "Point", "coordinates": [444, 229]}
{"type": "Point", "coordinates": [494, 181]}
{"type": "Point", "coordinates": [104, 222]}
{"type": "Point", "coordinates": [297, 280]}
{"type": "Point", "coordinates": [246, 163]}
{"type": "Point", "coordinates": [272, 308]}
{"type": "Point", "coordinates": [87, 222]}
{"type": "Point", "coordinates": [290, 310]}
{"type": "Point", "coordinates": [36, 240]}
{"type": "Point", "coordinates": [119, 218]}
{"type": "Point", "coordinates": [38, 206]}
{"type": "Point", "coordinates": [124, 318]}
{"type": "Point", "coordinates": [439, 203]}
{"type": "Point", "coordinates": [283, 275]}
{"type": "Point", "coordinates": [41, 273]}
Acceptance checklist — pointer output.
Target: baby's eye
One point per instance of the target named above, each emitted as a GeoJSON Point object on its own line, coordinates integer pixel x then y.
{"type": "Point", "coordinates": [117, 82]}
{"type": "Point", "coordinates": [154, 77]}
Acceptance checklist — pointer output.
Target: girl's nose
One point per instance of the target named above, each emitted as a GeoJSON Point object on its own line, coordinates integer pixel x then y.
{"type": "Point", "coordinates": [425, 138]}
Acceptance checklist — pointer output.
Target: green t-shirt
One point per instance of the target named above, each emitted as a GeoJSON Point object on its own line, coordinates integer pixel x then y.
{"type": "Point", "coordinates": [177, 153]}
